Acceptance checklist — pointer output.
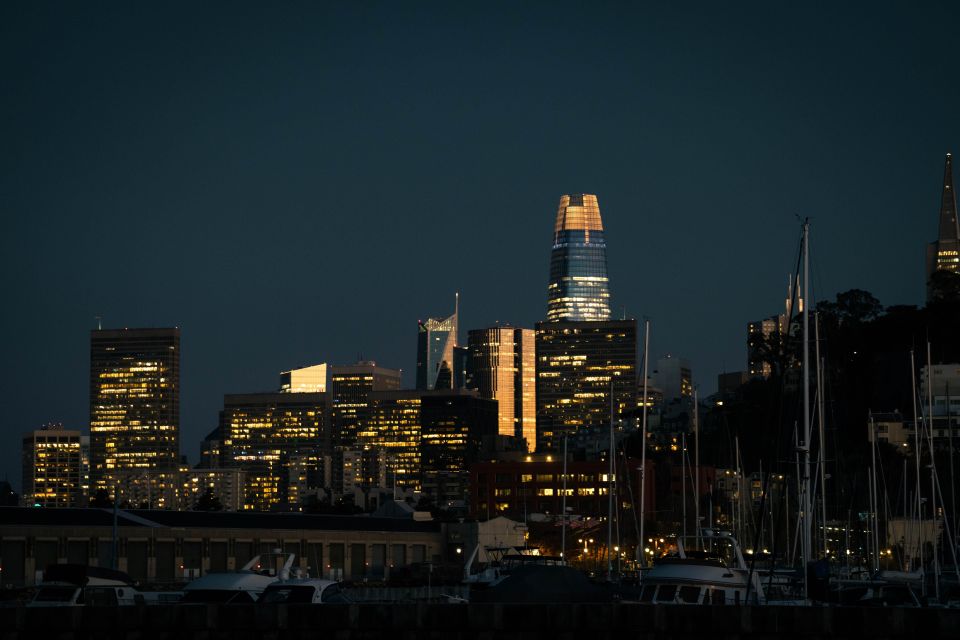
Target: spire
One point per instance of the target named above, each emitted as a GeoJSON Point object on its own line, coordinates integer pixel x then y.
{"type": "Point", "coordinates": [949, 228]}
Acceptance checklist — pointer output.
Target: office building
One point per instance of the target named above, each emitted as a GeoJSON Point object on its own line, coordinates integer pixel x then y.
{"type": "Point", "coordinates": [674, 377]}
{"type": "Point", "coordinates": [267, 435]}
{"type": "Point", "coordinates": [134, 404]}
{"type": "Point", "coordinates": [311, 379]}
{"type": "Point", "coordinates": [503, 368]}
{"type": "Point", "coordinates": [585, 372]}
{"type": "Point", "coordinates": [350, 389]}
{"type": "Point", "coordinates": [944, 254]}
{"type": "Point", "coordinates": [392, 430]}
{"type": "Point", "coordinates": [436, 340]}
{"type": "Point", "coordinates": [55, 467]}
{"type": "Point", "coordinates": [579, 287]}
{"type": "Point", "coordinates": [456, 429]}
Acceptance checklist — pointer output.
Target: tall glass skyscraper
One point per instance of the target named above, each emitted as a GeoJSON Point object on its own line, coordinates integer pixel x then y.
{"type": "Point", "coordinates": [436, 339]}
{"type": "Point", "coordinates": [579, 287]}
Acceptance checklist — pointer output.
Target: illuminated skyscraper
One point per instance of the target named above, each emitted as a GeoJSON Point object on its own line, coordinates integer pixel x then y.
{"type": "Point", "coordinates": [579, 366]}
{"type": "Point", "coordinates": [579, 288]}
{"type": "Point", "coordinates": [54, 466]}
{"type": "Point", "coordinates": [134, 403]}
{"type": "Point", "coordinates": [350, 388]}
{"type": "Point", "coordinates": [276, 438]}
{"type": "Point", "coordinates": [436, 339]}
{"type": "Point", "coordinates": [503, 366]}
{"type": "Point", "coordinates": [944, 254]}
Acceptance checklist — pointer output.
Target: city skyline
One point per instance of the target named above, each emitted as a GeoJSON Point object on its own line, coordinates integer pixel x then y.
{"type": "Point", "coordinates": [269, 256]}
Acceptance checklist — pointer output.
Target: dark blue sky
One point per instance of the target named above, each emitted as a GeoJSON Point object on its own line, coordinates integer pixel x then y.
{"type": "Point", "coordinates": [301, 182]}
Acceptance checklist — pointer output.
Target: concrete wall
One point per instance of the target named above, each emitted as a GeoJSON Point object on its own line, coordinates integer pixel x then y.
{"type": "Point", "coordinates": [479, 621]}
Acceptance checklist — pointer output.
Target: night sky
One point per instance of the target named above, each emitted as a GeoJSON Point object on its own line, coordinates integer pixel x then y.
{"type": "Point", "coordinates": [299, 183]}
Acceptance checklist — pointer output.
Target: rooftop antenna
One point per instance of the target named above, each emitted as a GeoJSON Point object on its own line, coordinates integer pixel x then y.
{"type": "Point", "coordinates": [456, 318]}
{"type": "Point", "coordinates": [99, 320]}
{"type": "Point", "coordinates": [623, 312]}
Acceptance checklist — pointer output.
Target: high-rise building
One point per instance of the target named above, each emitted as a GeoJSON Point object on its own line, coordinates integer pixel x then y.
{"type": "Point", "coordinates": [276, 438]}
{"type": "Point", "coordinates": [54, 467]}
{"type": "Point", "coordinates": [944, 254]}
{"type": "Point", "coordinates": [456, 427]}
{"type": "Point", "coordinates": [311, 379]}
{"type": "Point", "coordinates": [134, 404]}
{"type": "Point", "coordinates": [674, 377]}
{"type": "Point", "coordinates": [503, 366]}
{"type": "Point", "coordinates": [436, 339]}
{"type": "Point", "coordinates": [580, 367]}
{"type": "Point", "coordinates": [579, 287]}
{"type": "Point", "coordinates": [350, 388]}
{"type": "Point", "coordinates": [391, 429]}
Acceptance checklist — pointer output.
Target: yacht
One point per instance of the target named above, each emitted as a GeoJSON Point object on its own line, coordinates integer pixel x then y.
{"type": "Point", "coordinates": [304, 591]}
{"type": "Point", "coordinates": [704, 569]}
{"type": "Point", "coordinates": [245, 585]}
{"type": "Point", "coordinates": [71, 585]}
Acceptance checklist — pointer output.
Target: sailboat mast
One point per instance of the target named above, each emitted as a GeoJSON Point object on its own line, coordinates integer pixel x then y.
{"type": "Point", "coordinates": [696, 466]}
{"type": "Point", "coordinates": [643, 442]}
{"type": "Point", "coordinates": [610, 494]}
{"type": "Point", "coordinates": [916, 455]}
{"type": "Point", "coordinates": [933, 474]}
{"type": "Point", "coordinates": [806, 403]}
{"type": "Point", "coordinates": [563, 506]}
{"type": "Point", "coordinates": [822, 453]}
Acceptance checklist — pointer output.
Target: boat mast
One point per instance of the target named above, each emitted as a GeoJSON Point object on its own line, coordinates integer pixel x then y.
{"type": "Point", "coordinates": [916, 455]}
{"type": "Point", "coordinates": [933, 474]}
{"type": "Point", "coordinates": [610, 485]}
{"type": "Point", "coordinates": [696, 466]}
{"type": "Point", "coordinates": [563, 503]}
{"type": "Point", "coordinates": [822, 453]}
{"type": "Point", "coordinates": [643, 442]}
{"type": "Point", "coordinates": [806, 405]}
{"type": "Point", "coordinates": [683, 480]}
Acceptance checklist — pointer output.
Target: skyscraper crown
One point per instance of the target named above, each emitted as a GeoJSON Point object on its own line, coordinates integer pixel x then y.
{"type": "Point", "coordinates": [578, 289]}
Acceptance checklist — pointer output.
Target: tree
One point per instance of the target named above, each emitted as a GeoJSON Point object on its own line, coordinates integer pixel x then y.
{"type": "Point", "coordinates": [944, 286]}
{"type": "Point", "coordinates": [857, 306]}
{"type": "Point", "coordinates": [208, 502]}
{"type": "Point", "coordinates": [101, 499]}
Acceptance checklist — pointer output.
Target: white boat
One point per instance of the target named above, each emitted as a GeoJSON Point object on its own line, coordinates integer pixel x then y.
{"type": "Point", "coordinates": [72, 585]}
{"type": "Point", "coordinates": [705, 569]}
{"type": "Point", "coordinates": [245, 585]}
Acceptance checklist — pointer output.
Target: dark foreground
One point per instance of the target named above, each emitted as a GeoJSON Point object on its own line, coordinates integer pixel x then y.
{"type": "Point", "coordinates": [469, 621]}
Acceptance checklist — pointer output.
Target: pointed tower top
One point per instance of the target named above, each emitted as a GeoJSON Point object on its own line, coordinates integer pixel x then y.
{"type": "Point", "coordinates": [949, 228]}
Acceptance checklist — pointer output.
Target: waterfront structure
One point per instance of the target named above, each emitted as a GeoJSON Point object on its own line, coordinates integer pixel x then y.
{"type": "Point", "coordinates": [168, 547]}
{"type": "Point", "coordinates": [944, 254]}
{"type": "Point", "coordinates": [456, 429]}
{"type": "Point", "coordinates": [436, 340]}
{"type": "Point", "coordinates": [503, 368]}
{"type": "Point", "coordinates": [55, 467]}
{"type": "Point", "coordinates": [579, 287]}
{"type": "Point", "coordinates": [674, 377]}
{"type": "Point", "coordinates": [312, 379]}
{"type": "Point", "coordinates": [134, 404]}
{"type": "Point", "coordinates": [350, 389]}
{"type": "Point", "coordinates": [264, 434]}
{"type": "Point", "coordinates": [585, 372]}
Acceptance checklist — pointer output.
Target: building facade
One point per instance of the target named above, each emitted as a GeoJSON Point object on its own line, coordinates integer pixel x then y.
{"type": "Point", "coordinates": [266, 434]}
{"type": "Point", "coordinates": [586, 371]}
{"type": "Point", "coordinates": [579, 287]}
{"type": "Point", "coordinates": [56, 468]}
{"type": "Point", "coordinates": [456, 429]}
{"type": "Point", "coordinates": [312, 379]}
{"type": "Point", "coordinates": [134, 404]}
{"type": "Point", "coordinates": [350, 389]}
{"type": "Point", "coordinates": [503, 364]}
